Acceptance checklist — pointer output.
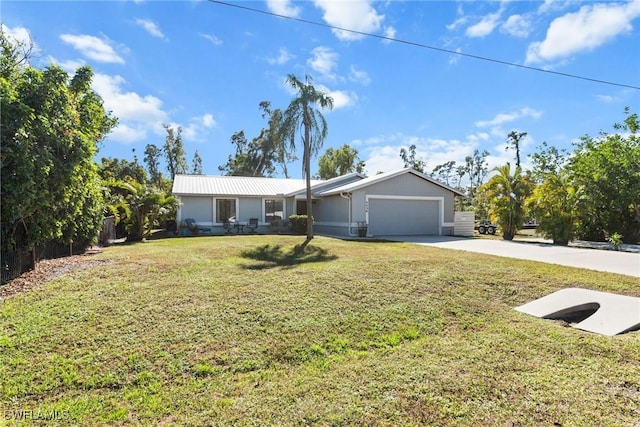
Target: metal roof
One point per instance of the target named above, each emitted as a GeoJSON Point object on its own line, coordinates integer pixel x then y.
{"type": "Point", "coordinates": [382, 177]}
{"type": "Point", "coordinates": [217, 185]}
{"type": "Point", "coordinates": [236, 185]}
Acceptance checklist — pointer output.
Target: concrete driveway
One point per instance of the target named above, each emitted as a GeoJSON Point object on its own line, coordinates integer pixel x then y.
{"type": "Point", "coordinates": [626, 263]}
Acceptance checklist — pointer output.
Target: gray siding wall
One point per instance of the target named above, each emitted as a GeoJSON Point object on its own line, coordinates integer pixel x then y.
{"type": "Point", "coordinates": [199, 208]}
{"type": "Point", "coordinates": [331, 216]}
{"type": "Point", "coordinates": [411, 185]}
{"type": "Point", "coordinates": [331, 209]}
{"type": "Point", "coordinates": [249, 207]}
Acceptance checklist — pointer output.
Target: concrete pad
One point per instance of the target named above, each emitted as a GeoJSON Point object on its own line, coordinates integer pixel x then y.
{"type": "Point", "coordinates": [614, 313]}
{"type": "Point", "coordinates": [593, 259]}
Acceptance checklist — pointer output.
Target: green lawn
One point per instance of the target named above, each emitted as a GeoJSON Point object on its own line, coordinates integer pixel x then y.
{"type": "Point", "coordinates": [239, 330]}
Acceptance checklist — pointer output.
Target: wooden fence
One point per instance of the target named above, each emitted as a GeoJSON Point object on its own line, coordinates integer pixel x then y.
{"type": "Point", "coordinates": [23, 259]}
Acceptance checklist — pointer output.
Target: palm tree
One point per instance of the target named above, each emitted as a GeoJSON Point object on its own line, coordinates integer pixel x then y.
{"type": "Point", "coordinates": [301, 115]}
{"type": "Point", "coordinates": [506, 194]}
{"type": "Point", "coordinates": [139, 206]}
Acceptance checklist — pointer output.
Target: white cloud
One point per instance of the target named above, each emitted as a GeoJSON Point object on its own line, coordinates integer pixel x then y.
{"type": "Point", "coordinates": [208, 121]}
{"type": "Point", "coordinates": [584, 30]}
{"type": "Point", "coordinates": [128, 134]}
{"type": "Point", "coordinates": [283, 7]}
{"type": "Point", "coordinates": [151, 27]}
{"type": "Point", "coordinates": [517, 26]}
{"type": "Point", "coordinates": [356, 15]}
{"type": "Point", "coordinates": [503, 118]}
{"type": "Point", "coordinates": [283, 57]}
{"type": "Point", "coordinates": [213, 39]}
{"type": "Point", "coordinates": [554, 5]}
{"type": "Point", "coordinates": [390, 33]}
{"type": "Point", "coordinates": [20, 35]}
{"type": "Point", "coordinates": [383, 158]}
{"type": "Point", "coordinates": [383, 152]}
{"type": "Point", "coordinates": [92, 47]}
{"type": "Point", "coordinates": [69, 66]}
{"type": "Point", "coordinates": [605, 98]}
{"type": "Point", "coordinates": [197, 128]}
{"type": "Point", "coordinates": [136, 114]}
{"type": "Point", "coordinates": [460, 21]}
{"type": "Point", "coordinates": [324, 61]}
{"type": "Point", "coordinates": [454, 59]}
{"type": "Point", "coordinates": [359, 76]}
{"type": "Point", "coordinates": [341, 98]}
{"type": "Point", "coordinates": [486, 25]}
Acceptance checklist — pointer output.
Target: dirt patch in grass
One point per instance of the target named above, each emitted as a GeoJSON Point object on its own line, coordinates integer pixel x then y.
{"type": "Point", "coordinates": [47, 270]}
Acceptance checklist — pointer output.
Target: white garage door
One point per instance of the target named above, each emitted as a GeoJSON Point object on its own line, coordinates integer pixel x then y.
{"type": "Point", "coordinates": [393, 217]}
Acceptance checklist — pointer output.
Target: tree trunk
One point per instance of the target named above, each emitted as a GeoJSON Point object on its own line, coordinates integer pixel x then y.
{"type": "Point", "coordinates": [307, 167]}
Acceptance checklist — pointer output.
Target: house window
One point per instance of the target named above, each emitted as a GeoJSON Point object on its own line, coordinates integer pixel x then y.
{"type": "Point", "coordinates": [225, 209]}
{"type": "Point", "coordinates": [301, 207]}
{"type": "Point", "coordinates": [273, 209]}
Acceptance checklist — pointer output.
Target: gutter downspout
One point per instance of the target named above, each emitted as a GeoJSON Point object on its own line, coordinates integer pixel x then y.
{"type": "Point", "coordinates": [348, 197]}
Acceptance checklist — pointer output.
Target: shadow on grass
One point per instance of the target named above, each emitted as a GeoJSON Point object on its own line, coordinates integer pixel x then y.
{"type": "Point", "coordinates": [277, 256]}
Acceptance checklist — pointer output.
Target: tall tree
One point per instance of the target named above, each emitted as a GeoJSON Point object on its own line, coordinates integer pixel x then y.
{"type": "Point", "coordinates": [238, 164]}
{"type": "Point", "coordinates": [174, 151]}
{"type": "Point", "coordinates": [277, 142]}
{"type": "Point", "coordinates": [445, 172]}
{"type": "Point", "coordinates": [506, 195]}
{"type": "Point", "coordinates": [301, 115]}
{"type": "Point", "coordinates": [607, 168]}
{"type": "Point", "coordinates": [339, 162]}
{"type": "Point", "coordinates": [260, 156]}
{"type": "Point", "coordinates": [513, 141]}
{"type": "Point", "coordinates": [152, 156]}
{"type": "Point", "coordinates": [196, 168]}
{"type": "Point", "coordinates": [411, 160]}
{"type": "Point", "coordinates": [50, 130]}
{"type": "Point", "coordinates": [477, 168]}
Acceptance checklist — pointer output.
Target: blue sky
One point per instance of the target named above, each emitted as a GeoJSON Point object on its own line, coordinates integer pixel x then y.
{"type": "Point", "coordinates": [206, 66]}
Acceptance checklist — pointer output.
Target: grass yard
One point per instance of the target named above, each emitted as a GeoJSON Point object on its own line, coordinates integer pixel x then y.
{"type": "Point", "coordinates": [237, 330]}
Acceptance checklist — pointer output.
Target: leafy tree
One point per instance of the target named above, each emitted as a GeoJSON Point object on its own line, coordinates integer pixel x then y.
{"type": "Point", "coordinates": [547, 160]}
{"type": "Point", "coordinates": [260, 156]}
{"type": "Point", "coordinates": [554, 203]}
{"type": "Point", "coordinates": [410, 160]}
{"type": "Point", "coordinates": [555, 200]}
{"type": "Point", "coordinates": [276, 138]}
{"type": "Point", "coordinates": [506, 194]}
{"type": "Point", "coordinates": [476, 168]}
{"type": "Point", "coordinates": [152, 156]}
{"type": "Point", "coordinates": [513, 140]}
{"type": "Point", "coordinates": [300, 115]}
{"type": "Point", "coordinates": [50, 129]}
{"type": "Point", "coordinates": [121, 169]}
{"type": "Point", "coordinates": [174, 151]}
{"type": "Point", "coordinates": [138, 206]}
{"type": "Point", "coordinates": [339, 162]}
{"type": "Point", "coordinates": [243, 162]}
{"type": "Point", "coordinates": [196, 168]}
{"type": "Point", "coordinates": [607, 169]}
{"type": "Point", "coordinates": [446, 172]}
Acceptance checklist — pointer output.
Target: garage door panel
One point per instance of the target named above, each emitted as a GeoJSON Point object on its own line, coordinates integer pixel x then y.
{"type": "Point", "coordinates": [403, 217]}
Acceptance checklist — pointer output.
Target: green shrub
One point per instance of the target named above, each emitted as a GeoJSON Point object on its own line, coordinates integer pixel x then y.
{"type": "Point", "coordinates": [299, 223]}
